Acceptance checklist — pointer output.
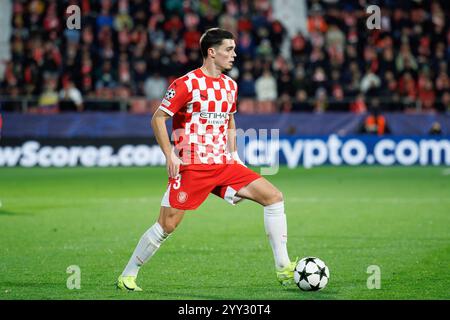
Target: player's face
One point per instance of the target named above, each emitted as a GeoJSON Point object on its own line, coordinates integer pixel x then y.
{"type": "Point", "coordinates": [225, 54]}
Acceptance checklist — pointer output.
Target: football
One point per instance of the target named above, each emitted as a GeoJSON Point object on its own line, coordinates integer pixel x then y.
{"type": "Point", "coordinates": [311, 274]}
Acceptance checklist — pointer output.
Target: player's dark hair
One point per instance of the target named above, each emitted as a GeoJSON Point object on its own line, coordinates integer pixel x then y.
{"type": "Point", "coordinates": [213, 37]}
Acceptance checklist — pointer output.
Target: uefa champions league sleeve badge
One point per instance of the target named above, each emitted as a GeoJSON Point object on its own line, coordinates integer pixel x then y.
{"type": "Point", "coordinates": [170, 94]}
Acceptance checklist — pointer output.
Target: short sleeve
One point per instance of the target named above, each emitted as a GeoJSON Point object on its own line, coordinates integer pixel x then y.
{"type": "Point", "coordinates": [176, 97]}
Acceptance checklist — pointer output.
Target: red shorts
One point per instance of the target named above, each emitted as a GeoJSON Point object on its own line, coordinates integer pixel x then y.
{"type": "Point", "coordinates": [196, 182]}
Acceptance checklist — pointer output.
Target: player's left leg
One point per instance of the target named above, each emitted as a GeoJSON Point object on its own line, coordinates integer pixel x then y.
{"type": "Point", "coordinates": [264, 193]}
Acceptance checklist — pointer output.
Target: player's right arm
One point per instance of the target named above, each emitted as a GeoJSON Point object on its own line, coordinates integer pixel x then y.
{"type": "Point", "coordinates": [160, 131]}
{"type": "Point", "coordinates": [175, 98]}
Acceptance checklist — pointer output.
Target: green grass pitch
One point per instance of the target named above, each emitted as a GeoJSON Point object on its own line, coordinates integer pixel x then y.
{"type": "Point", "coordinates": [396, 218]}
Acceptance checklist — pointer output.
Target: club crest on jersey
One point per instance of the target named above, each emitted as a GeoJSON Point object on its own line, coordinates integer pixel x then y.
{"type": "Point", "coordinates": [230, 97]}
{"type": "Point", "coordinates": [170, 94]}
{"type": "Point", "coordinates": [182, 197]}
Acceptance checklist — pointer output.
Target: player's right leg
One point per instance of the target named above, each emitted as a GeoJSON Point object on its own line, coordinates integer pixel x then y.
{"type": "Point", "coordinates": [151, 240]}
{"type": "Point", "coordinates": [185, 192]}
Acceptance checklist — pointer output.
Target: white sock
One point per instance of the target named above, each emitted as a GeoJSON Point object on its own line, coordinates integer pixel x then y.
{"type": "Point", "coordinates": [276, 229]}
{"type": "Point", "coordinates": [146, 248]}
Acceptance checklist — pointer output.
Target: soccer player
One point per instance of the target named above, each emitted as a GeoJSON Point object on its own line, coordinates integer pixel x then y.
{"type": "Point", "coordinates": [204, 158]}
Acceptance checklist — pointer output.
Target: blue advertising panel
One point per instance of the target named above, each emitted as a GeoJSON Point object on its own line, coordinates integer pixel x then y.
{"type": "Point", "coordinates": [349, 150]}
{"type": "Point", "coordinates": [300, 151]}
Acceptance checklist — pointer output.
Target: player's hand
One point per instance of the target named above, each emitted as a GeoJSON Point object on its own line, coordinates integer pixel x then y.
{"type": "Point", "coordinates": [173, 165]}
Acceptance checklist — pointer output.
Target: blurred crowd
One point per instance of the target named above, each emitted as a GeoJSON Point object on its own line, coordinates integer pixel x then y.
{"type": "Point", "coordinates": [132, 50]}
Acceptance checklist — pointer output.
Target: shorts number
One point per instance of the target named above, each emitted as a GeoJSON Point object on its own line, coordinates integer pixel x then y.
{"type": "Point", "coordinates": [177, 183]}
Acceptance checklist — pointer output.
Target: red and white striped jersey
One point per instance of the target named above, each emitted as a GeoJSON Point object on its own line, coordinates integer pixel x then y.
{"type": "Point", "coordinates": [200, 106]}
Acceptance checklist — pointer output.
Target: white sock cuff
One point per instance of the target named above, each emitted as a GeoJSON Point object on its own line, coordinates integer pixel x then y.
{"type": "Point", "coordinates": [156, 235]}
{"type": "Point", "coordinates": [160, 231]}
{"type": "Point", "coordinates": [275, 208]}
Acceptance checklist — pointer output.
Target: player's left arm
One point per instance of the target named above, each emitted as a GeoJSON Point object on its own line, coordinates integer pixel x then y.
{"type": "Point", "coordinates": [232, 144]}
{"type": "Point", "coordinates": [232, 141]}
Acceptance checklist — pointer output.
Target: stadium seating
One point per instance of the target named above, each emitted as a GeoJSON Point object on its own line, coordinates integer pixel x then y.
{"type": "Point", "coordinates": [337, 65]}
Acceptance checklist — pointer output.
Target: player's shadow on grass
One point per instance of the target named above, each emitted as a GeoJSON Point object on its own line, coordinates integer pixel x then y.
{"type": "Point", "coordinates": [12, 213]}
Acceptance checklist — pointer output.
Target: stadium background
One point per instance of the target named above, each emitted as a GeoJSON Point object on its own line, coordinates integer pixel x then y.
{"type": "Point", "coordinates": [313, 72]}
{"type": "Point", "coordinates": [337, 92]}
